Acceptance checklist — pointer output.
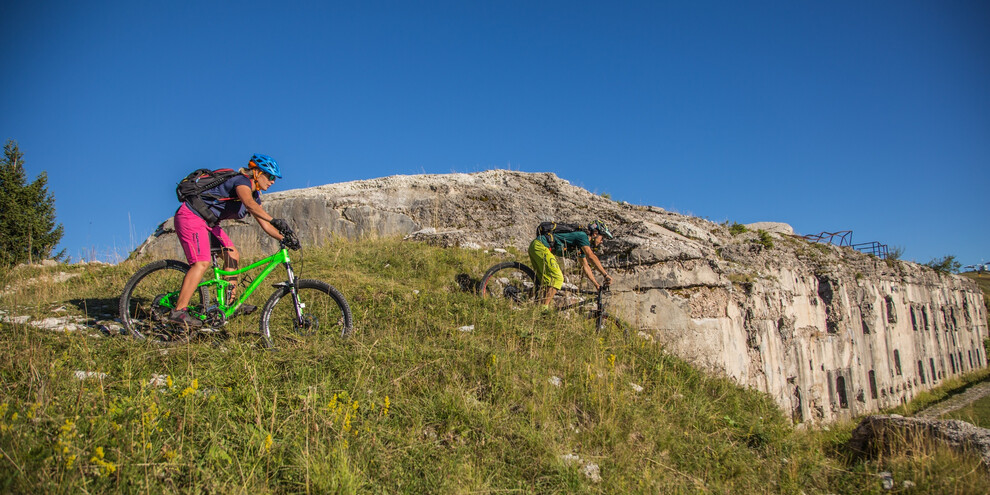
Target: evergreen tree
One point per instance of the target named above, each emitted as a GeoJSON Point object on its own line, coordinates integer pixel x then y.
{"type": "Point", "coordinates": [28, 231]}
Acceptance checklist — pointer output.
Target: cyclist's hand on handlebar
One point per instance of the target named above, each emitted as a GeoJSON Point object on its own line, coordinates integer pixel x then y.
{"type": "Point", "coordinates": [281, 226]}
{"type": "Point", "coordinates": [290, 241]}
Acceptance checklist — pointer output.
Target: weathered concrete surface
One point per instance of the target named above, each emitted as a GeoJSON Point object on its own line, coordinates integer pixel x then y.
{"type": "Point", "coordinates": [828, 332]}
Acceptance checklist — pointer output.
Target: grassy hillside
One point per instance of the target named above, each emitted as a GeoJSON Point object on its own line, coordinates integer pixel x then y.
{"type": "Point", "coordinates": [982, 279]}
{"type": "Point", "coordinates": [523, 402]}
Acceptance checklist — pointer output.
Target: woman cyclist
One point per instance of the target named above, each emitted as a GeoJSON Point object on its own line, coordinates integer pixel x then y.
{"type": "Point", "coordinates": [232, 199]}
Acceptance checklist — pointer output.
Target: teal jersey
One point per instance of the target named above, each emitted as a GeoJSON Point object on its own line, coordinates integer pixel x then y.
{"type": "Point", "coordinates": [564, 243]}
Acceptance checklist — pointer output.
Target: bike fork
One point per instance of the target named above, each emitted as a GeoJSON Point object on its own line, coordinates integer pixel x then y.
{"type": "Point", "coordinates": [294, 289]}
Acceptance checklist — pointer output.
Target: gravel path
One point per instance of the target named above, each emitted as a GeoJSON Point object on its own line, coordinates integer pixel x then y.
{"type": "Point", "coordinates": [972, 394]}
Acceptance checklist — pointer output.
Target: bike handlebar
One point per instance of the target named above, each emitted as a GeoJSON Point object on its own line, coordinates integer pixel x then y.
{"type": "Point", "coordinates": [289, 240]}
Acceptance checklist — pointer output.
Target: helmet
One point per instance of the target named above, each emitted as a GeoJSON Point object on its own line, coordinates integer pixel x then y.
{"type": "Point", "coordinates": [601, 227]}
{"type": "Point", "coordinates": [267, 164]}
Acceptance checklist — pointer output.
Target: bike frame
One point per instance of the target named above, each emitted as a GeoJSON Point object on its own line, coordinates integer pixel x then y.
{"type": "Point", "coordinates": [270, 263]}
{"type": "Point", "coordinates": [585, 297]}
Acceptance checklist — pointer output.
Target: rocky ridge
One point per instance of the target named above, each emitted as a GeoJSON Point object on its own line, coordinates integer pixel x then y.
{"type": "Point", "coordinates": [828, 332]}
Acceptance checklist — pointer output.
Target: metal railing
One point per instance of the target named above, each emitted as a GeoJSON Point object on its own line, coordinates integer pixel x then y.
{"type": "Point", "coordinates": [844, 238]}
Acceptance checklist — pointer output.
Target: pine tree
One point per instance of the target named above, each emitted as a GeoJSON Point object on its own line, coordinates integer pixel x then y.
{"type": "Point", "coordinates": [28, 231]}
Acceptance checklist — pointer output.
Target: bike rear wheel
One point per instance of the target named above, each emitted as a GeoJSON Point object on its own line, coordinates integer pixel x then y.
{"type": "Point", "coordinates": [325, 314]}
{"type": "Point", "coordinates": [511, 281]}
{"type": "Point", "coordinates": [149, 296]}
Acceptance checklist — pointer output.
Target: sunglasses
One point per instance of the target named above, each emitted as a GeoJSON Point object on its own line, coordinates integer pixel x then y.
{"type": "Point", "coordinates": [269, 176]}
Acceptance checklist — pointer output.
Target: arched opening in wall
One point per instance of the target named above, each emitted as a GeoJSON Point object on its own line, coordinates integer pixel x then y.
{"type": "Point", "coordinates": [960, 361]}
{"type": "Point", "coordinates": [952, 362]}
{"type": "Point", "coordinates": [840, 388]}
{"type": "Point", "coordinates": [891, 314]}
{"type": "Point", "coordinates": [970, 355]}
{"type": "Point", "coordinates": [955, 322]}
{"type": "Point", "coordinates": [897, 362]}
{"type": "Point", "coordinates": [921, 371]}
{"type": "Point", "coordinates": [914, 321]}
{"type": "Point", "coordinates": [873, 384]}
{"type": "Point", "coordinates": [797, 414]}
{"type": "Point", "coordinates": [931, 363]}
{"type": "Point", "coordinates": [866, 327]}
{"type": "Point", "coordinates": [924, 316]}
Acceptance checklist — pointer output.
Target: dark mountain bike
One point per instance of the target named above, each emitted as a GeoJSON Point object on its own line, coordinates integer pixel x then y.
{"type": "Point", "coordinates": [299, 308]}
{"type": "Point", "coordinates": [516, 282]}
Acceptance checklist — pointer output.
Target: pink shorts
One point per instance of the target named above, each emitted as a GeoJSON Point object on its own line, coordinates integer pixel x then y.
{"type": "Point", "coordinates": [194, 235]}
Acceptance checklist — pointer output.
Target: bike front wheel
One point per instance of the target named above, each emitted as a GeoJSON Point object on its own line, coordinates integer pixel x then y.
{"type": "Point", "coordinates": [149, 296]}
{"type": "Point", "coordinates": [511, 281]}
{"type": "Point", "coordinates": [610, 324]}
{"type": "Point", "coordinates": [318, 310]}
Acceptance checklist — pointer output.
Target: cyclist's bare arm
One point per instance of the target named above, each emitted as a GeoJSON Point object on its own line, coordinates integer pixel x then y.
{"type": "Point", "coordinates": [259, 213]}
{"type": "Point", "coordinates": [590, 255]}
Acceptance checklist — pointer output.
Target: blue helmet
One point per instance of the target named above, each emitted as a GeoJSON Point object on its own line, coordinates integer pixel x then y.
{"type": "Point", "coordinates": [267, 164]}
{"type": "Point", "coordinates": [601, 227]}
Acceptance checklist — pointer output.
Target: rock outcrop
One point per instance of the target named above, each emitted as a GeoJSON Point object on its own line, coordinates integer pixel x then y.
{"type": "Point", "coordinates": [884, 434]}
{"type": "Point", "coordinates": [828, 332]}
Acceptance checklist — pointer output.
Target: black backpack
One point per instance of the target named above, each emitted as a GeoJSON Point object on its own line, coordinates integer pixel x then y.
{"type": "Point", "coordinates": [550, 228]}
{"type": "Point", "coordinates": [191, 189]}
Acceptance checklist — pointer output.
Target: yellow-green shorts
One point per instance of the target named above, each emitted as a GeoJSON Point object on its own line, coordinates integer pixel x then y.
{"type": "Point", "coordinates": [548, 272]}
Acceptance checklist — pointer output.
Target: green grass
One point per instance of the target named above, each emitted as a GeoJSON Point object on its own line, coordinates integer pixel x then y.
{"type": "Point", "coordinates": [977, 413]}
{"type": "Point", "coordinates": [410, 404]}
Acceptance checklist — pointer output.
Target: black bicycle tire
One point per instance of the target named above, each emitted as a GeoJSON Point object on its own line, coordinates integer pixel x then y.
{"type": "Point", "coordinates": [123, 307]}
{"type": "Point", "coordinates": [304, 284]}
{"type": "Point", "coordinates": [483, 286]}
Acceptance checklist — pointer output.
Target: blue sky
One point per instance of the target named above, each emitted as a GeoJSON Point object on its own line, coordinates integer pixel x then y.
{"type": "Point", "coordinates": [864, 116]}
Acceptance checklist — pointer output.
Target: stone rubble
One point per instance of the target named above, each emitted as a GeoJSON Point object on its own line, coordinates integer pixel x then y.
{"type": "Point", "coordinates": [591, 470]}
{"type": "Point", "coordinates": [86, 375]}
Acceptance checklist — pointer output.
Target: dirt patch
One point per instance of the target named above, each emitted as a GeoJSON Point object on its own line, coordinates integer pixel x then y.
{"type": "Point", "coordinates": [958, 401]}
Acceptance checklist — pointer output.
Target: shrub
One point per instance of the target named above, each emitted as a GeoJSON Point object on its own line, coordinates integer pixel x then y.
{"type": "Point", "coordinates": [894, 253]}
{"type": "Point", "coordinates": [736, 229]}
{"type": "Point", "coordinates": [946, 264]}
{"type": "Point", "coordinates": [764, 239]}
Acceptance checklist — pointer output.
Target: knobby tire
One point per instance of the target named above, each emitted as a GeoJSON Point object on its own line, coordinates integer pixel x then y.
{"type": "Point", "coordinates": [509, 280]}
{"type": "Point", "coordinates": [326, 314]}
{"type": "Point", "coordinates": [138, 312]}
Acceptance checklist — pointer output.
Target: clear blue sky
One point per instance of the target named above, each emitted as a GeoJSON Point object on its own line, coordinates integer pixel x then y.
{"type": "Point", "coordinates": [865, 116]}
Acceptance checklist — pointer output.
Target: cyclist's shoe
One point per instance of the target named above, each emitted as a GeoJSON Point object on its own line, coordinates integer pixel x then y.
{"type": "Point", "coordinates": [244, 309]}
{"type": "Point", "coordinates": [183, 318]}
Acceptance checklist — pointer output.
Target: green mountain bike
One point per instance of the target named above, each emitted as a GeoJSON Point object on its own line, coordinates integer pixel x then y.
{"type": "Point", "coordinates": [298, 308]}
